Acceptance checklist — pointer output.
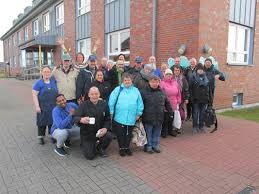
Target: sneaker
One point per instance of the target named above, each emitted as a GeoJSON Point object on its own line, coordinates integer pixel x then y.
{"type": "Point", "coordinates": [41, 141]}
{"type": "Point", "coordinates": [67, 144]}
{"type": "Point", "coordinates": [194, 131]}
{"type": "Point", "coordinates": [173, 133]}
{"type": "Point", "coordinates": [150, 151]}
{"type": "Point", "coordinates": [178, 131]}
{"type": "Point", "coordinates": [128, 152]}
{"type": "Point", "coordinates": [122, 152]}
{"type": "Point", "coordinates": [53, 140]}
{"type": "Point", "coordinates": [60, 151]}
{"type": "Point", "coordinates": [102, 153]}
{"type": "Point", "coordinates": [157, 150]}
{"type": "Point", "coordinates": [202, 130]}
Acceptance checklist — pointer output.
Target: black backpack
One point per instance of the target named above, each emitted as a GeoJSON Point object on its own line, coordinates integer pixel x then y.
{"type": "Point", "coordinates": [210, 118]}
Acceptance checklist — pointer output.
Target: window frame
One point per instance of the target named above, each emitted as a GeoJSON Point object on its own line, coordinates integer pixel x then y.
{"type": "Point", "coordinates": [46, 26]}
{"type": "Point", "coordinates": [235, 52]}
{"type": "Point", "coordinates": [83, 8]}
{"type": "Point", "coordinates": [119, 44]}
{"type": "Point", "coordinates": [34, 31]}
{"type": "Point", "coordinates": [59, 14]}
{"type": "Point", "coordinates": [26, 33]}
{"type": "Point", "coordinates": [85, 41]}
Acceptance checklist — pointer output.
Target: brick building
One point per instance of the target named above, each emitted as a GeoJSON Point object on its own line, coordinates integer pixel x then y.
{"type": "Point", "coordinates": [145, 28]}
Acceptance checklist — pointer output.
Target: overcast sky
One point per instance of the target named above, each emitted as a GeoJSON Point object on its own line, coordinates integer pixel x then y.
{"type": "Point", "coordinates": [9, 10]}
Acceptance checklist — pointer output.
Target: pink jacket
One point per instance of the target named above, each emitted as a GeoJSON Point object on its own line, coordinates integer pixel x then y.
{"type": "Point", "coordinates": [172, 91]}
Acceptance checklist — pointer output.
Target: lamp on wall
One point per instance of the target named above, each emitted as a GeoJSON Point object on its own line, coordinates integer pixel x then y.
{"type": "Point", "coordinates": [207, 49]}
{"type": "Point", "coordinates": [182, 49]}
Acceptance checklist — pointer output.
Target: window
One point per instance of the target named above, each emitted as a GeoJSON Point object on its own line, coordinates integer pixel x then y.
{"type": "Point", "coordinates": [237, 100]}
{"type": "Point", "coordinates": [26, 33]}
{"type": "Point", "coordinates": [14, 61]}
{"type": "Point", "coordinates": [14, 41]}
{"type": "Point", "coordinates": [23, 58]}
{"type": "Point", "coordinates": [46, 23]}
{"type": "Point", "coordinates": [84, 46]}
{"type": "Point", "coordinates": [35, 27]}
{"type": "Point", "coordinates": [83, 6]}
{"type": "Point", "coordinates": [60, 14]}
{"type": "Point", "coordinates": [238, 44]}
{"type": "Point", "coordinates": [119, 42]}
{"type": "Point", "coordinates": [109, 1]}
{"type": "Point", "coordinates": [19, 38]}
{"type": "Point", "coordinates": [50, 59]}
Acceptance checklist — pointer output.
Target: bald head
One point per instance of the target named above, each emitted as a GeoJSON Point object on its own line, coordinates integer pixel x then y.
{"type": "Point", "coordinates": [94, 94]}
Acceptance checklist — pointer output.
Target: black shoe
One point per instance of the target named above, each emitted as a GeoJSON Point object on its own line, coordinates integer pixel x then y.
{"type": "Point", "coordinates": [67, 144]}
{"type": "Point", "coordinates": [157, 150]}
{"type": "Point", "coordinates": [173, 133]}
{"type": "Point", "coordinates": [163, 135]}
{"type": "Point", "coordinates": [178, 131]}
{"type": "Point", "coordinates": [53, 140]}
{"type": "Point", "coordinates": [122, 152]}
{"type": "Point", "coordinates": [41, 141]}
{"type": "Point", "coordinates": [60, 151]}
{"type": "Point", "coordinates": [102, 153]}
{"type": "Point", "coordinates": [150, 151]}
{"type": "Point", "coordinates": [128, 152]}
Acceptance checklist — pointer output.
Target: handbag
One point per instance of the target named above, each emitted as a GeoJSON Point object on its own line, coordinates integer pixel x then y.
{"type": "Point", "coordinates": [139, 136]}
{"type": "Point", "coordinates": [177, 122]}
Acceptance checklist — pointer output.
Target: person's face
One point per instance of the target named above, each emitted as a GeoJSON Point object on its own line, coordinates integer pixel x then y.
{"type": "Point", "coordinates": [147, 70]}
{"type": "Point", "coordinates": [120, 65]}
{"type": "Point", "coordinates": [46, 73]}
{"type": "Point", "coordinates": [154, 83]}
{"type": "Point", "coordinates": [177, 72]}
{"type": "Point", "coordinates": [193, 63]}
{"type": "Point", "coordinates": [61, 101]}
{"type": "Point", "coordinates": [80, 58]}
{"type": "Point", "coordinates": [66, 64]}
{"type": "Point", "coordinates": [177, 61]}
{"type": "Point", "coordinates": [104, 62]}
{"type": "Point", "coordinates": [152, 60]}
{"type": "Point", "coordinates": [121, 57]}
{"type": "Point", "coordinates": [92, 64]}
{"type": "Point", "coordinates": [94, 95]}
{"type": "Point", "coordinates": [109, 65]}
{"type": "Point", "coordinates": [168, 76]}
{"type": "Point", "coordinates": [200, 71]}
{"type": "Point", "coordinates": [163, 67]}
{"type": "Point", "coordinates": [208, 64]}
{"type": "Point", "coordinates": [99, 76]}
{"type": "Point", "coordinates": [127, 82]}
{"type": "Point", "coordinates": [138, 65]}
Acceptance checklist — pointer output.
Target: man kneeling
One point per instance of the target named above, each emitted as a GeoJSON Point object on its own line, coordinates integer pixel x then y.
{"type": "Point", "coordinates": [94, 119]}
{"type": "Point", "coordinates": [63, 127]}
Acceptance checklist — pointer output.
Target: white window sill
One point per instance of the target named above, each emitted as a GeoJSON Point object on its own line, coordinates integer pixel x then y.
{"type": "Point", "coordinates": [240, 64]}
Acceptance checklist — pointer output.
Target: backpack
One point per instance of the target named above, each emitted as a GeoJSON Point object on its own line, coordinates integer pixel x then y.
{"type": "Point", "coordinates": [210, 118]}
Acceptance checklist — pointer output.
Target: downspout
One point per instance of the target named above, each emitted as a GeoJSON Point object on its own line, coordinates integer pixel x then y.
{"type": "Point", "coordinates": [154, 16]}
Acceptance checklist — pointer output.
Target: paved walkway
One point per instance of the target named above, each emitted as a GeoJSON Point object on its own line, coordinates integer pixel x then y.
{"type": "Point", "coordinates": [223, 162]}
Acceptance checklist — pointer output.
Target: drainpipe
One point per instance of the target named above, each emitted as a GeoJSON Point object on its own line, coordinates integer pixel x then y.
{"type": "Point", "coordinates": [154, 16]}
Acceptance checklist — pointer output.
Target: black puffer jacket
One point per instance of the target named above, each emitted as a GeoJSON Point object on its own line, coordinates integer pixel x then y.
{"type": "Point", "coordinates": [200, 89]}
{"type": "Point", "coordinates": [155, 103]}
{"type": "Point", "coordinates": [99, 111]}
{"type": "Point", "coordinates": [104, 88]}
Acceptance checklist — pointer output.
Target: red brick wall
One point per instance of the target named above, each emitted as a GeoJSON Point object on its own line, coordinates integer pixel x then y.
{"type": "Point", "coordinates": [177, 23]}
{"type": "Point", "coordinates": [97, 27]}
{"type": "Point", "coordinates": [140, 29]}
{"type": "Point", "coordinates": [213, 30]}
{"type": "Point", "coordinates": [69, 27]}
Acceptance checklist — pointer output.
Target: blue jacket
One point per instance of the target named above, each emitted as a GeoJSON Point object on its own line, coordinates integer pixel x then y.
{"type": "Point", "coordinates": [61, 117]}
{"type": "Point", "coordinates": [129, 105]}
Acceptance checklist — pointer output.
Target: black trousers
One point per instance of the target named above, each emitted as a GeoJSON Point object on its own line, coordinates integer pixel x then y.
{"type": "Point", "coordinates": [42, 130]}
{"type": "Point", "coordinates": [123, 133]}
{"type": "Point", "coordinates": [189, 110]}
{"type": "Point", "coordinates": [167, 124]}
{"type": "Point", "coordinates": [89, 147]}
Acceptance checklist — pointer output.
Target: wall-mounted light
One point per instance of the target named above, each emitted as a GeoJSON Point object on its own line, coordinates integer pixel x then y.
{"type": "Point", "coordinates": [182, 49]}
{"type": "Point", "coordinates": [207, 49]}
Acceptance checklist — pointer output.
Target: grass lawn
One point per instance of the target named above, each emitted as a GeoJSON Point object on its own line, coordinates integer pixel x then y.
{"type": "Point", "coordinates": [251, 114]}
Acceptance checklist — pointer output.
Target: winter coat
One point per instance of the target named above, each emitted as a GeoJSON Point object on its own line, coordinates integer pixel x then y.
{"type": "Point", "coordinates": [200, 89]}
{"type": "Point", "coordinates": [128, 106]}
{"type": "Point", "coordinates": [84, 79]}
{"type": "Point", "coordinates": [155, 102]}
{"type": "Point", "coordinates": [141, 80]}
{"type": "Point", "coordinates": [133, 71]}
{"type": "Point", "coordinates": [99, 111]}
{"type": "Point", "coordinates": [104, 88]}
{"type": "Point", "coordinates": [113, 77]}
{"type": "Point", "coordinates": [189, 74]}
{"type": "Point", "coordinates": [172, 91]}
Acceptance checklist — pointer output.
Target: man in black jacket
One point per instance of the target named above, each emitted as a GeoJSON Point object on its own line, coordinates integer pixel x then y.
{"type": "Point", "coordinates": [85, 78]}
{"type": "Point", "coordinates": [155, 102]}
{"type": "Point", "coordinates": [93, 118]}
{"type": "Point", "coordinates": [115, 74]}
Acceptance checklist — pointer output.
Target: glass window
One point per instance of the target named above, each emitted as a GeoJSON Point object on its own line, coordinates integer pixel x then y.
{"type": "Point", "coordinates": [60, 14]}
{"type": "Point", "coordinates": [84, 46]}
{"type": "Point", "coordinates": [119, 42]}
{"type": "Point", "coordinates": [84, 6]}
{"type": "Point", "coordinates": [35, 27]}
{"type": "Point", "coordinates": [46, 22]}
{"type": "Point", "coordinates": [238, 44]}
{"type": "Point", "coordinates": [26, 33]}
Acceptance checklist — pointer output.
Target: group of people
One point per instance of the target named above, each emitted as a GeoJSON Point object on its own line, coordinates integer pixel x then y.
{"type": "Point", "coordinates": [97, 102]}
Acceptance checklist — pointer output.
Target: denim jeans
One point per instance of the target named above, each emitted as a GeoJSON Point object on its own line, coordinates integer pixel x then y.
{"type": "Point", "coordinates": [198, 110]}
{"type": "Point", "coordinates": [153, 135]}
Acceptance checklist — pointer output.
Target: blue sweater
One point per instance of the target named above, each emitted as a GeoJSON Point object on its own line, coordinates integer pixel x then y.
{"type": "Point", "coordinates": [61, 117]}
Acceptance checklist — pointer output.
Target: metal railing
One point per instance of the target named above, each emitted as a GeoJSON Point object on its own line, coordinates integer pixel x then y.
{"type": "Point", "coordinates": [30, 73]}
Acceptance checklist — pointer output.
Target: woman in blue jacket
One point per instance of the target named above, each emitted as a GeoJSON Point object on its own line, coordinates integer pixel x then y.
{"type": "Point", "coordinates": [126, 106]}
